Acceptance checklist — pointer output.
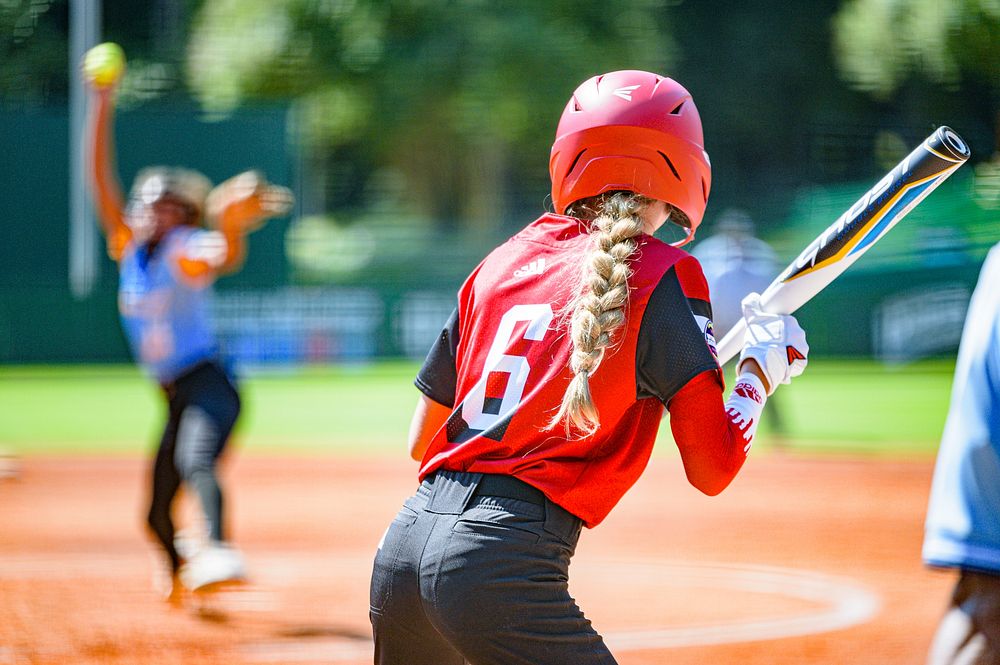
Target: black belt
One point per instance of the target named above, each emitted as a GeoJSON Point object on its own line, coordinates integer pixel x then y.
{"type": "Point", "coordinates": [509, 487]}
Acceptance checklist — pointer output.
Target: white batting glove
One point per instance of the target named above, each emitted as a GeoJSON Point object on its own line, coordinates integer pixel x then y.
{"type": "Point", "coordinates": [775, 341]}
{"type": "Point", "coordinates": [745, 405]}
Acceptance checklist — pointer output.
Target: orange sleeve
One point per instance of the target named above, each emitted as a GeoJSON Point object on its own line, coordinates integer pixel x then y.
{"type": "Point", "coordinates": [242, 204]}
{"type": "Point", "coordinates": [195, 270]}
{"type": "Point", "coordinates": [234, 220]}
{"type": "Point", "coordinates": [236, 249]}
{"type": "Point", "coordinates": [198, 259]}
{"type": "Point", "coordinates": [105, 187]}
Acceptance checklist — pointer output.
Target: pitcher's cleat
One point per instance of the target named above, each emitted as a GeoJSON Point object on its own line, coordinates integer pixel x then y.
{"type": "Point", "coordinates": [175, 596]}
{"type": "Point", "coordinates": [215, 567]}
{"type": "Point", "coordinates": [168, 586]}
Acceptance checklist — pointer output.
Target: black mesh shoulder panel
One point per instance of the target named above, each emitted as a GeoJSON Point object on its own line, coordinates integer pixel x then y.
{"type": "Point", "coordinates": [672, 347]}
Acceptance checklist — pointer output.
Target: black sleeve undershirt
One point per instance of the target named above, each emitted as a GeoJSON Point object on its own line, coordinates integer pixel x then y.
{"type": "Point", "coordinates": [438, 376]}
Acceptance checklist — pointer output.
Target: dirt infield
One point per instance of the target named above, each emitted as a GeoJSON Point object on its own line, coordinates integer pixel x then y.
{"type": "Point", "coordinates": [800, 561]}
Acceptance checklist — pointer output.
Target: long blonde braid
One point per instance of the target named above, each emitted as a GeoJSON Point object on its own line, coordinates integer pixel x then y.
{"type": "Point", "coordinates": [599, 308]}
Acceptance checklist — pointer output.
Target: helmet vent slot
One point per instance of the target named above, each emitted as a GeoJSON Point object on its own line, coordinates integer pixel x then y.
{"type": "Point", "coordinates": [573, 165]}
{"type": "Point", "coordinates": [704, 190]}
{"type": "Point", "coordinates": [576, 105]}
{"type": "Point", "coordinates": [669, 163]}
{"type": "Point", "coordinates": [677, 109]}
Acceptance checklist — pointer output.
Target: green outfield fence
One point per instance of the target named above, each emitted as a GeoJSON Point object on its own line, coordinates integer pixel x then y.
{"type": "Point", "coordinates": [384, 286]}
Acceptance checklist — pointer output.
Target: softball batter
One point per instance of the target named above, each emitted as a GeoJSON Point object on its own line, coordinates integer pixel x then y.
{"type": "Point", "coordinates": [963, 516]}
{"type": "Point", "coordinates": [543, 395]}
{"type": "Point", "coordinates": [167, 263]}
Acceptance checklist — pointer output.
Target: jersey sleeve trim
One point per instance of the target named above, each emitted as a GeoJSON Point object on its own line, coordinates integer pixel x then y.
{"type": "Point", "coordinates": [438, 377]}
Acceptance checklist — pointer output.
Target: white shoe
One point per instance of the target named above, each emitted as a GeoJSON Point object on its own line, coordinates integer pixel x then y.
{"type": "Point", "coordinates": [189, 541]}
{"type": "Point", "coordinates": [212, 567]}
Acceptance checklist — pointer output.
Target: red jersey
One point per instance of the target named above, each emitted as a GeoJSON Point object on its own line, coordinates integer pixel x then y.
{"type": "Point", "coordinates": [502, 364]}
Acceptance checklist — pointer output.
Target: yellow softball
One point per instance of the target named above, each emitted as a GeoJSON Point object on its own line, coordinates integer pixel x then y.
{"type": "Point", "coordinates": [104, 64]}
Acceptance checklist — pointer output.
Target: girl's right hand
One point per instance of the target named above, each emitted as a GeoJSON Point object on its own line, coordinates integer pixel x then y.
{"type": "Point", "coordinates": [774, 342]}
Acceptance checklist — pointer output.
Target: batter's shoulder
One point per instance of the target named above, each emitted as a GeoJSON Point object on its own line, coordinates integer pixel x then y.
{"type": "Point", "coordinates": [551, 229]}
{"type": "Point", "coordinates": [655, 250]}
{"type": "Point", "coordinates": [656, 258]}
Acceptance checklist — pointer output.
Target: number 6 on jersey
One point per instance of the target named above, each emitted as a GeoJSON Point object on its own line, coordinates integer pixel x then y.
{"type": "Point", "coordinates": [481, 408]}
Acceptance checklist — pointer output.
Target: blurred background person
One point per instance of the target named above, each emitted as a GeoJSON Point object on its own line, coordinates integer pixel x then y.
{"type": "Point", "coordinates": [167, 262]}
{"type": "Point", "coordinates": [963, 516]}
{"type": "Point", "coordinates": [736, 263]}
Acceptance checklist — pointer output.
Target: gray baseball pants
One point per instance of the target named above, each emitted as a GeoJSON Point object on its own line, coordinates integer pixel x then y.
{"type": "Point", "coordinates": [474, 569]}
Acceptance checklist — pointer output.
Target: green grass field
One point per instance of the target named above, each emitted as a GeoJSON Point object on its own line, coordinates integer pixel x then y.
{"type": "Point", "coordinates": [851, 406]}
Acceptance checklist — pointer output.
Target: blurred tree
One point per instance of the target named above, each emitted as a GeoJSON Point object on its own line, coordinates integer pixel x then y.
{"type": "Point", "coordinates": [459, 96]}
{"type": "Point", "coordinates": [773, 108]}
{"type": "Point", "coordinates": [881, 45]}
{"type": "Point", "coordinates": [33, 52]}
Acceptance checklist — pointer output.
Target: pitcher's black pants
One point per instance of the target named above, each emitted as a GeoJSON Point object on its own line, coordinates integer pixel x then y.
{"type": "Point", "coordinates": [203, 405]}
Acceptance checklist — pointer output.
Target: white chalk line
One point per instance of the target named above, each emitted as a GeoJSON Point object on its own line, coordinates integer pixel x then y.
{"type": "Point", "coordinates": [843, 603]}
{"type": "Point", "coordinates": [839, 602]}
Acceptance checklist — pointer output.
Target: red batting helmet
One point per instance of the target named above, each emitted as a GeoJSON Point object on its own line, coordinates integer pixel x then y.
{"type": "Point", "coordinates": [636, 131]}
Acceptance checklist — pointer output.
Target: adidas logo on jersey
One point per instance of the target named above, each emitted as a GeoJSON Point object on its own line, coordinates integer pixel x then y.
{"type": "Point", "coordinates": [536, 267]}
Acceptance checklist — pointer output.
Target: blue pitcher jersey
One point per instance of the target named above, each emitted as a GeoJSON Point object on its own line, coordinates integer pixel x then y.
{"type": "Point", "coordinates": [166, 316]}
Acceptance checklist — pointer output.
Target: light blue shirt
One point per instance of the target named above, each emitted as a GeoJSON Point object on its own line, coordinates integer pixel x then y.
{"type": "Point", "coordinates": [166, 318]}
{"type": "Point", "coordinates": [963, 516]}
{"type": "Point", "coordinates": [734, 265]}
